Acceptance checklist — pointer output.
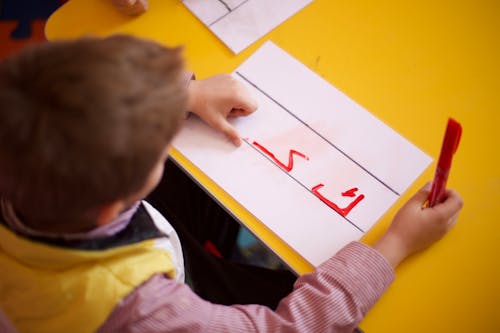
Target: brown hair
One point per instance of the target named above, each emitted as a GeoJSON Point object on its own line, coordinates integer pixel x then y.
{"type": "Point", "coordinates": [82, 123]}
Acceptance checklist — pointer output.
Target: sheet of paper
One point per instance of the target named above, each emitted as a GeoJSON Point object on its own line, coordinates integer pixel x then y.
{"type": "Point", "coordinates": [239, 23]}
{"type": "Point", "coordinates": [315, 167]}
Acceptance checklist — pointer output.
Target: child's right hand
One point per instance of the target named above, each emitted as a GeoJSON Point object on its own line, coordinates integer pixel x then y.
{"type": "Point", "coordinates": [415, 228]}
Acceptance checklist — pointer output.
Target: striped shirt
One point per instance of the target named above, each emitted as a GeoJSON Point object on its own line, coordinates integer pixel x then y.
{"type": "Point", "coordinates": [333, 298]}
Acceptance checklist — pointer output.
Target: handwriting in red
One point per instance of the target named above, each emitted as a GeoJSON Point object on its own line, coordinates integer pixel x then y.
{"type": "Point", "coordinates": [292, 152]}
{"type": "Point", "coordinates": [315, 190]}
{"type": "Point", "coordinates": [342, 211]}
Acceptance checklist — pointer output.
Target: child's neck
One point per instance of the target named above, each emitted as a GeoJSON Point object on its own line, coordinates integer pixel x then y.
{"type": "Point", "coordinates": [69, 226]}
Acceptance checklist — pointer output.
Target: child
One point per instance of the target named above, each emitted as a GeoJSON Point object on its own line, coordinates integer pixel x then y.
{"type": "Point", "coordinates": [85, 128]}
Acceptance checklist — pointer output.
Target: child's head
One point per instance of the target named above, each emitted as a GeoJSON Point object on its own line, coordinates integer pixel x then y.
{"type": "Point", "coordinates": [84, 123]}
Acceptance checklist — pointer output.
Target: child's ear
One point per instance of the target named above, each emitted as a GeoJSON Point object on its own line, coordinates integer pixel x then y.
{"type": "Point", "coordinates": [109, 212]}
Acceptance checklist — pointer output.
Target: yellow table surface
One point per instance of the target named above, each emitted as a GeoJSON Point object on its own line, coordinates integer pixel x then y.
{"type": "Point", "coordinates": [412, 64]}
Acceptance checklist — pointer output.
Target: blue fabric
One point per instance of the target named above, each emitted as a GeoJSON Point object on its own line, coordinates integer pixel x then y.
{"type": "Point", "coordinates": [24, 12]}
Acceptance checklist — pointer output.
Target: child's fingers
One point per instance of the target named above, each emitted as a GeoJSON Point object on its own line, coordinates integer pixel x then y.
{"type": "Point", "coordinates": [421, 196]}
{"type": "Point", "coordinates": [222, 125]}
{"type": "Point", "coordinates": [248, 107]}
{"type": "Point", "coordinates": [244, 103]}
{"type": "Point", "coordinates": [237, 112]}
{"type": "Point", "coordinates": [451, 206]}
{"type": "Point", "coordinates": [233, 135]}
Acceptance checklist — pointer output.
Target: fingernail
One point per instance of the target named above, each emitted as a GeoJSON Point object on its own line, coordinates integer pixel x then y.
{"type": "Point", "coordinates": [237, 141]}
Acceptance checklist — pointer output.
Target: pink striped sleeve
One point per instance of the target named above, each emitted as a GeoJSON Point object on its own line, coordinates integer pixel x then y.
{"type": "Point", "coordinates": [334, 298]}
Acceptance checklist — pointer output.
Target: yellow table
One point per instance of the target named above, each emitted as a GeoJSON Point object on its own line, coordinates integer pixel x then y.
{"type": "Point", "coordinates": [412, 64]}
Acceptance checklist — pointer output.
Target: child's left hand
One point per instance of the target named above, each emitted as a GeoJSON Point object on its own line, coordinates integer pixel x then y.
{"type": "Point", "coordinates": [217, 98]}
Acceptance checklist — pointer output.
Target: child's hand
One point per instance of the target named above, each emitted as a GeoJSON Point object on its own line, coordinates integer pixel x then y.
{"type": "Point", "coordinates": [217, 98]}
{"type": "Point", "coordinates": [131, 7]}
{"type": "Point", "coordinates": [415, 228]}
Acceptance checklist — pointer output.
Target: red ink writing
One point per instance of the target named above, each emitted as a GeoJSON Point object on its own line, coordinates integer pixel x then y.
{"type": "Point", "coordinates": [292, 152]}
{"type": "Point", "coordinates": [315, 190]}
{"type": "Point", "coordinates": [332, 205]}
{"type": "Point", "coordinates": [350, 193]}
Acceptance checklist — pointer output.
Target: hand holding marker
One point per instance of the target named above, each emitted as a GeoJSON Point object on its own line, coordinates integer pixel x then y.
{"type": "Point", "coordinates": [449, 147]}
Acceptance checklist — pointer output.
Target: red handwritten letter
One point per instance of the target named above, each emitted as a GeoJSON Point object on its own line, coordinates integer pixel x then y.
{"type": "Point", "coordinates": [292, 152]}
{"type": "Point", "coordinates": [332, 205]}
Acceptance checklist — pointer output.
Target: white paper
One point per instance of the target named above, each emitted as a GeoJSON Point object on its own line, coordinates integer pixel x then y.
{"type": "Point", "coordinates": [239, 23]}
{"type": "Point", "coordinates": [348, 150]}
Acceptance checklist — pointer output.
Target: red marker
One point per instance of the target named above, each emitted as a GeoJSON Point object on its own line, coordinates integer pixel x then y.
{"type": "Point", "coordinates": [450, 145]}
